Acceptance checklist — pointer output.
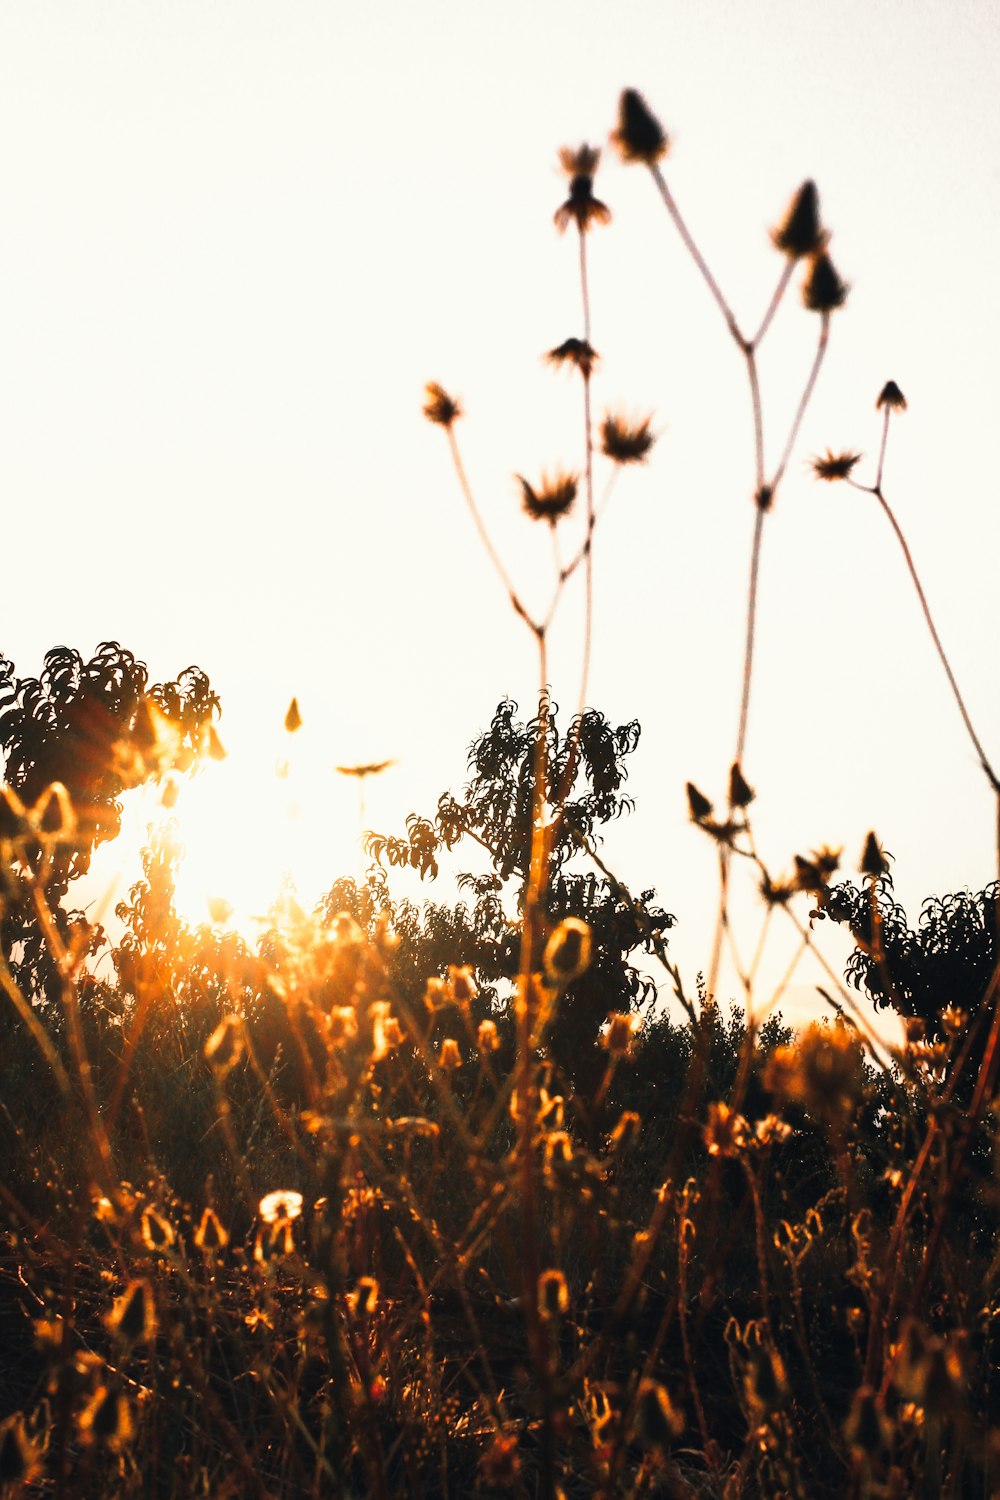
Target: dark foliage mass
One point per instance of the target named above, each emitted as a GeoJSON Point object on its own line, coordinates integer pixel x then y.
{"type": "Point", "coordinates": [268, 1234]}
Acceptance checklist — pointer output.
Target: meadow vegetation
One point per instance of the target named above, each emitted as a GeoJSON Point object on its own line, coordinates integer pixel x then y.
{"type": "Point", "coordinates": [483, 1196]}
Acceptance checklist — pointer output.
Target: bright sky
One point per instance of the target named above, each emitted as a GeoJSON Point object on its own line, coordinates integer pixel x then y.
{"type": "Point", "coordinates": [239, 237]}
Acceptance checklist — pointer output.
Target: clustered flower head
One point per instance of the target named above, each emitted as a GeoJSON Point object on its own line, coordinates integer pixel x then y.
{"type": "Point", "coordinates": [626, 442]}
{"type": "Point", "coordinates": [800, 232]}
{"type": "Point", "coordinates": [567, 953]}
{"type": "Point", "coordinates": [574, 352]}
{"type": "Point", "coordinates": [833, 466]}
{"type": "Point", "coordinates": [551, 499]}
{"type": "Point", "coordinates": [639, 135]}
{"type": "Point", "coordinates": [581, 205]}
{"type": "Point", "coordinates": [439, 407]}
{"type": "Point", "coordinates": [891, 397]}
{"type": "Point", "coordinates": [823, 289]}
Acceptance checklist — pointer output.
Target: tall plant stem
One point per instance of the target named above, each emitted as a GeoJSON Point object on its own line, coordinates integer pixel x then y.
{"type": "Point", "coordinates": [694, 252]}
{"type": "Point", "coordinates": [484, 536]}
{"type": "Point", "coordinates": [942, 654]}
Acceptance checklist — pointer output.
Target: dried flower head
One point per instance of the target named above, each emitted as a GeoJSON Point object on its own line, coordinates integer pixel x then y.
{"type": "Point", "coordinates": [657, 1420]}
{"type": "Point", "coordinates": [280, 1207]}
{"type": "Point", "coordinates": [620, 1033]}
{"type": "Point", "coordinates": [866, 1428]}
{"type": "Point", "coordinates": [698, 804]}
{"type": "Point", "coordinates": [567, 952]}
{"type": "Point", "coordinates": [574, 352]}
{"type": "Point", "coordinates": [553, 1294]}
{"type": "Point", "coordinates": [550, 500]}
{"type": "Point", "coordinates": [19, 1458]}
{"type": "Point", "coordinates": [210, 1235]}
{"type": "Point", "coordinates": [157, 1232]}
{"type": "Point", "coordinates": [450, 1056]}
{"type": "Point", "coordinates": [581, 205]}
{"type": "Point", "coordinates": [626, 1132]}
{"type": "Point", "coordinates": [626, 442]}
{"type": "Point", "coordinates": [639, 135]}
{"type": "Point", "coordinates": [823, 290]}
{"type": "Point", "coordinates": [487, 1037]}
{"type": "Point", "coordinates": [133, 1316]}
{"type": "Point", "coordinates": [293, 718]}
{"type": "Point", "coordinates": [726, 1131]}
{"type": "Point", "coordinates": [835, 465]}
{"type": "Point", "coordinates": [777, 892]}
{"type": "Point", "coordinates": [439, 407]}
{"type": "Point", "coordinates": [462, 983]}
{"type": "Point", "coordinates": [107, 1419]}
{"type": "Point", "coordinates": [891, 397]}
{"type": "Point", "coordinates": [224, 1047]}
{"type": "Point", "coordinates": [823, 1070]}
{"type": "Point", "coordinates": [741, 794]}
{"type": "Point", "coordinates": [873, 859]}
{"type": "Point", "coordinates": [800, 232]}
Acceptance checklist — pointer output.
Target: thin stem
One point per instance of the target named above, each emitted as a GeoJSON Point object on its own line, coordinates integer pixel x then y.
{"type": "Point", "coordinates": [751, 632]}
{"type": "Point", "coordinates": [775, 302]}
{"type": "Point", "coordinates": [881, 452]}
{"type": "Point", "coordinates": [966, 720]}
{"type": "Point", "coordinates": [694, 252]}
{"type": "Point", "coordinates": [758, 417]}
{"type": "Point", "coordinates": [824, 339]}
{"type": "Point", "coordinates": [484, 535]}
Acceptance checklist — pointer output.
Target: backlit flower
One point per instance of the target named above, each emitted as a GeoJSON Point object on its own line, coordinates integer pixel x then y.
{"type": "Point", "coordinates": [280, 1206]}
{"type": "Point", "coordinates": [575, 352]}
{"type": "Point", "coordinates": [835, 465]}
{"type": "Point", "coordinates": [439, 407]}
{"type": "Point", "coordinates": [800, 232]}
{"type": "Point", "coordinates": [626, 442]}
{"type": "Point", "coordinates": [823, 290]}
{"type": "Point", "coordinates": [892, 397]}
{"type": "Point", "coordinates": [550, 500]}
{"type": "Point", "coordinates": [639, 135]}
{"type": "Point", "coordinates": [581, 205]}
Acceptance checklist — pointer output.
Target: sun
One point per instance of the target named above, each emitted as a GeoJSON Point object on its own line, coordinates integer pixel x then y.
{"type": "Point", "coordinates": [273, 816]}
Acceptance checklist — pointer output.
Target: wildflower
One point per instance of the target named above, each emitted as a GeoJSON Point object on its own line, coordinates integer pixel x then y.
{"type": "Point", "coordinates": [450, 1057]}
{"type": "Point", "coordinates": [280, 1206]}
{"type": "Point", "coordinates": [698, 803]}
{"type": "Point", "coordinates": [293, 718]}
{"type": "Point", "coordinates": [107, 1418]}
{"type": "Point", "coordinates": [891, 397]}
{"type": "Point", "coordinates": [626, 1132]}
{"type": "Point", "coordinates": [157, 1233]}
{"type": "Point", "coordinates": [551, 500]}
{"type": "Point", "coordinates": [626, 442]}
{"type": "Point", "coordinates": [873, 859]}
{"type": "Point", "coordinates": [822, 1071]}
{"type": "Point", "coordinates": [567, 952]}
{"type": "Point", "coordinates": [954, 1020]}
{"type": "Point", "coordinates": [740, 793]}
{"type": "Point", "coordinates": [133, 1316]}
{"type": "Point", "coordinates": [574, 352]}
{"type": "Point", "coordinates": [439, 407]}
{"type": "Point", "coordinates": [364, 1298]}
{"type": "Point", "coordinates": [800, 232]}
{"type": "Point", "coordinates": [581, 205]}
{"type": "Point", "coordinates": [777, 892]}
{"type": "Point", "coordinates": [618, 1037]}
{"type": "Point", "coordinates": [210, 1234]}
{"type": "Point", "coordinates": [553, 1294]}
{"type": "Point", "coordinates": [865, 1428]}
{"type": "Point", "coordinates": [19, 1459]}
{"type": "Point", "coordinates": [224, 1047]}
{"type": "Point", "coordinates": [770, 1129]}
{"type": "Point", "coordinates": [639, 136]}
{"type": "Point", "coordinates": [657, 1420]}
{"type": "Point", "coordinates": [273, 1241]}
{"type": "Point", "coordinates": [726, 1131]}
{"type": "Point", "coordinates": [462, 982]}
{"type": "Point", "coordinates": [487, 1037]}
{"type": "Point", "coordinates": [835, 465]}
{"type": "Point", "coordinates": [823, 290]}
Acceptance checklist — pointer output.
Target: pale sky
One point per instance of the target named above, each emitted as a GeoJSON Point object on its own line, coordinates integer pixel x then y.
{"type": "Point", "coordinates": [239, 237]}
